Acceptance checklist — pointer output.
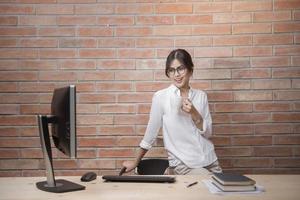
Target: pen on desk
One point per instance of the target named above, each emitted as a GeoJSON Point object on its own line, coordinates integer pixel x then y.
{"type": "Point", "coordinates": [191, 184]}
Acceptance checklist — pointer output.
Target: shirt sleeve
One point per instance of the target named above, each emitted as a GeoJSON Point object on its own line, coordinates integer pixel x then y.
{"type": "Point", "coordinates": [207, 121]}
{"type": "Point", "coordinates": [154, 123]}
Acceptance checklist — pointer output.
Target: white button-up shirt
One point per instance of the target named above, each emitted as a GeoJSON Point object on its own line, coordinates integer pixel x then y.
{"type": "Point", "coordinates": [183, 141]}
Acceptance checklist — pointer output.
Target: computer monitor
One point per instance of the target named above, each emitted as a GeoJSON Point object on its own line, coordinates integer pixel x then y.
{"type": "Point", "coordinates": [63, 121]}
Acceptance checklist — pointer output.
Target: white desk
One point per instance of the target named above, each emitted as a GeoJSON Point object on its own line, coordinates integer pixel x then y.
{"type": "Point", "coordinates": [281, 187]}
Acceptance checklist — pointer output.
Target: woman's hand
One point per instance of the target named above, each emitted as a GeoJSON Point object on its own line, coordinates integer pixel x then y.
{"type": "Point", "coordinates": [188, 107]}
{"type": "Point", "coordinates": [130, 165]}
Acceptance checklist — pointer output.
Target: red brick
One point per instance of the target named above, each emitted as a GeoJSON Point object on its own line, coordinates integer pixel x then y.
{"type": "Point", "coordinates": [116, 64]}
{"type": "Point", "coordinates": [251, 118]}
{"type": "Point", "coordinates": [262, 107]}
{"type": "Point", "coordinates": [271, 84]}
{"type": "Point", "coordinates": [116, 42]}
{"type": "Point", "coordinates": [213, 52]}
{"type": "Point", "coordinates": [251, 5]}
{"type": "Point", "coordinates": [9, 153]}
{"type": "Point", "coordinates": [195, 41]}
{"type": "Point", "coordinates": [201, 85]}
{"type": "Point", "coordinates": [271, 16]}
{"type": "Point", "coordinates": [144, 108]}
{"type": "Point", "coordinates": [131, 119]}
{"type": "Point", "coordinates": [134, 75]}
{"type": "Point", "coordinates": [115, 20]}
{"type": "Point", "coordinates": [76, 20]}
{"type": "Point", "coordinates": [287, 162]}
{"type": "Point", "coordinates": [150, 64]}
{"type": "Point", "coordinates": [296, 15]}
{"type": "Point", "coordinates": [8, 20]}
{"type": "Point", "coordinates": [233, 130]}
{"type": "Point", "coordinates": [174, 8]}
{"type": "Point", "coordinates": [221, 141]}
{"type": "Point", "coordinates": [94, 9]}
{"type": "Point", "coordinates": [86, 154]}
{"type": "Point", "coordinates": [22, 164]}
{"type": "Point", "coordinates": [172, 31]}
{"type": "Point", "coordinates": [233, 107]}
{"type": "Point", "coordinates": [84, 131]}
{"type": "Point", "coordinates": [57, 76]}
{"type": "Point", "coordinates": [234, 151]}
{"type": "Point", "coordinates": [8, 87]}
{"type": "Point", "coordinates": [96, 98]}
{"type": "Point", "coordinates": [61, 9]}
{"type": "Point", "coordinates": [56, 31]}
{"type": "Point", "coordinates": [232, 17]}
{"type": "Point", "coordinates": [212, 74]}
{"type": "Point", "coordinates": [230, 85]}
{"type": "Point", "coordinates": [18, 76]}
{"type": "Point", "coordinates": [252, 162]}
{"type": "Point", "coordinates": [231, 63]}
{"type": "Point", "coordinates": [119, 108]}
{"type": "Point", "coordinates": [112, 153]}
{"type": "Point", "coordinates": [295, 83]}
{"type": "Point", "coordinates": [77, 64]}
{"type": "Point", "coordinates": [251, 28]}
{"type": "Point", "coordinates": [286, 117]}
{"type": "Point", "coordinates": [94, 119]}
{"type": "Point", "coordinates": [117, 130]}
{"type": "Point", "coordinates": [97, 53]}
{"type": "Point", "coordinates": [38, 43]}
{"type": "Point", "coordinates": [232, 40]}
{"type": "Point", "coordinates": [35, 109]}
{"type": "Point", "coordinates": [96, 75]}
{"type": "Point", "coordinates": [154, 42]}
{"type": "Point", "coordinates": [128, 141]}
{"type": "Point", "coordinates": [8, 42]}
{"type": "Point", "coordinates": [295, 60]}
{"type": "Point", "coordinates": [214, 29]}
{"type": "Point", "coordinates": [277, 61]}
{"type": "Point", "coordinates": [154, 20]}
{"type": "Point", "coordinates": [193, 19]}
{"type": "Point", "coordinates": [220, 96]}
{"type": "Point", "coordinates": [18, 98]}
{"type": "Point", "coordinates": [86, 109]}
{"type": "Point", "coordinates": [9, 109]}
{"type": "Point", "coordinates": [37, 20]}
{"type": "Point", "coordinates": [134, 9]}
{"type": "Point", "coordinates": [221, 118]}
{"type": "Point", "coordinates": [114, 86]}
{"type": "Point", "coordinates": [286, 4]}
{"type": "Point", "coordinates": [9, 131]}
{"type": "Point", "coordinates": [84, 43]}
{"type": "Point", "coordinates": [211, 7]}
{"type": "Point", "coordinates": [96, 164]}
{"type": "Point", "coordinates": [287, 139]}
{"type": "Point", "coordinates": [273, 151]}
{"type": "Point", "coordinates": [97, 32]}
{"type": "Point", "coordinates": [37, 87]}
{"type": "Point", "coordinates": [57, 53]}
{"type": "Point", "coordinates": [252, 51]}
{"type": "Point", "coordinates": [135, 97]}
{"type": "Point", "coordinates": [273, 128]}
{"type": "Point", "coordinates": [286, 27]}
{"type": "Point", "coordinates": [136, 31]}
{"type": "Point", "coordinates": [17, 9]}
{"type": "Point", "coordinates": [252, 140]}
{"type": "Point", "coordinates": [136, 53]}
{"type": "Point", "coordinates": [287, 50]}
{"type": "Point", "coordinates": [19, 143]}
{"type": "Point", "coordinates": [253, 96]}
{"type": "Point", "coordinates": [286, 73]}
{"type": "Point", "coordinates": [287, 95]}
{"type": "Point", "coordinates": [251, 73]}
{"type": "Point", "coordinates": [150, 86]}
{"type": "Point", "coordinates": [272, 39]}
{"type": "Point", "coordinates": [12, 53]}
{"type": "Point", "coordinates": [31, 153]}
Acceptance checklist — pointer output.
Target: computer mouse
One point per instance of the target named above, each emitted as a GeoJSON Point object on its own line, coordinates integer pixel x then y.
{"type": "Point", "coordinates": [89, 176]}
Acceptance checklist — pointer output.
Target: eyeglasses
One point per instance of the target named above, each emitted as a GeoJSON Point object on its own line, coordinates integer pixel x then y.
{"type": "Point", "coordinates": [180, 70]}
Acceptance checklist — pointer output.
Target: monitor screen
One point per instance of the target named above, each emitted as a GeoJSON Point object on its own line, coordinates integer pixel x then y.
{"type": "Point", "coordinates": [63, 108]}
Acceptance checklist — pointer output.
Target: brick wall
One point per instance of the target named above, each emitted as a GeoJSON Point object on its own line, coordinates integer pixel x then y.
{"type": "Point", "coordinates": [246, 55]}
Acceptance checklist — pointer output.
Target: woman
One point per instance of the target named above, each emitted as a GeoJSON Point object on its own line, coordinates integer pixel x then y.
{"type": "Point", "coordinates": [183, 113]}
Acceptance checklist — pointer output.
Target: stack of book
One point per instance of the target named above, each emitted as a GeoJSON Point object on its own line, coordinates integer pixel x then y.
{"type": "Point", "coordinates": [233, 182]}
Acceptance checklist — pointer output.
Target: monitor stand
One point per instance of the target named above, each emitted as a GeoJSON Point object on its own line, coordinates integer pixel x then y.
{"type": "Point", "coordinates": [52, 185]}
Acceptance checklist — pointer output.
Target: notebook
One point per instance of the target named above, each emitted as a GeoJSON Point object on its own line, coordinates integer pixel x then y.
{"type": "Point", "coordinates": [232, 179]}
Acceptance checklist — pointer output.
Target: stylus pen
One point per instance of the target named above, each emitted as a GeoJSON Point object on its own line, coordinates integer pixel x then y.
{"type": "Point", "coordinates": [191, 184]}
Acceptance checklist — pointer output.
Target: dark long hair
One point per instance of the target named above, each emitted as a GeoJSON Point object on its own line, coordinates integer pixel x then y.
{"type": "Point", "coordinates": [183, 57]}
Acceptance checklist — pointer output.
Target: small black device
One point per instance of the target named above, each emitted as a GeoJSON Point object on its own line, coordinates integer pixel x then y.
{"type": "Point", "coordinates": [140, 178]}
{"type": "Point", "coordinates": [89, 176]}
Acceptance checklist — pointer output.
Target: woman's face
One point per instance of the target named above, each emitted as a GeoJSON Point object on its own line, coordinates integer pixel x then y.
{"type": "Point", "coordinates": [179, 75]}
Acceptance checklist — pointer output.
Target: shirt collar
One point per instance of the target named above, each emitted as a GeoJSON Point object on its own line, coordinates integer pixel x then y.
{"type": "Point", "coordinates": [176, 91]}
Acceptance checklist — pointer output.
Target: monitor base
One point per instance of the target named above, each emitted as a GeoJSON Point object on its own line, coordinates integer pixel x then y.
{"type": "Point", "coordinates": [61, 186]}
